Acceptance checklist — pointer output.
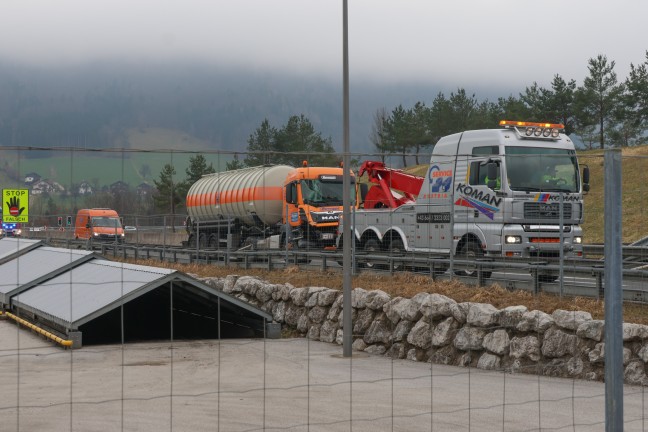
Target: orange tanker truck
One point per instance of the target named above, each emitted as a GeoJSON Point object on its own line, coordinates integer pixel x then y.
{"type": "Point", "coordinates": [266, 207]}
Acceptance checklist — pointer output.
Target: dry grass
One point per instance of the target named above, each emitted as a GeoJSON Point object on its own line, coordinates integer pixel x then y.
{"type": "Point", "coordinates": [409, 284]}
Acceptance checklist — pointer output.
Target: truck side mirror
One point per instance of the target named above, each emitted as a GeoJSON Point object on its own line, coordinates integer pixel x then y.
{"type": "Point", "coordinates": [492, 172]}
{"type": "Point", "coordinates": [586, 186]}
{"type": "Point", "coordinates": [290, 193]}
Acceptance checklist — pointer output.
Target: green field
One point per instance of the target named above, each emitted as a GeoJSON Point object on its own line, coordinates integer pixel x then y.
{"type": "Point", "coordinates": [141, 161]}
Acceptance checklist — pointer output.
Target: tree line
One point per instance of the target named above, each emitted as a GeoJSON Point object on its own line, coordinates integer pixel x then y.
{"type": "Point", "coordinates": [603, 110]}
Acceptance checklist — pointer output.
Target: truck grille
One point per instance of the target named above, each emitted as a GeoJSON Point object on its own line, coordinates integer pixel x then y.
{"type": "Point", "coordinates": [536, 210]}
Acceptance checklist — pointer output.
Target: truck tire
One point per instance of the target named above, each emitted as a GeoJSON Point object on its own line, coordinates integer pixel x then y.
{"type": "Point", "coordinates": [203, 241]}
{"type": "Point", "coordinates": [397, 249]}
{"type": "Point", "coordinates": [372, 247]}
{"type": "Point", "coordinates": [471, 252]}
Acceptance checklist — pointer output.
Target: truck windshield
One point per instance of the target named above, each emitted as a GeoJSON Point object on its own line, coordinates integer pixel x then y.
{"type": "Point", "coordinates": [319, 193]}
{"type": "Point", "coordinates": [542, 169]}
{"type": "Point", "coordinates": [104, 221]}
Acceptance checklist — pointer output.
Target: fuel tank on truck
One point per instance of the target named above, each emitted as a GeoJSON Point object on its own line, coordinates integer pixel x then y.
{"type": "Point", "coordinates": [239, 194]}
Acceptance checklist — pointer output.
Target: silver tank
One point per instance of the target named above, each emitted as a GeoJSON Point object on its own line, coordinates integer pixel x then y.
{"type": "Point", "coordinates": [239, 193]}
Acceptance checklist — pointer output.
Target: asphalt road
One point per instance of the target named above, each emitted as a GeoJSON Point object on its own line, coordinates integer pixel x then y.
{"type": "Point", "coordinates": [273, 385]}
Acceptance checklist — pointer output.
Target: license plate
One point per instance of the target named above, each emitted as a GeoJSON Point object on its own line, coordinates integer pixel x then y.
{"type": "Point", "coordinates": [327, 236]}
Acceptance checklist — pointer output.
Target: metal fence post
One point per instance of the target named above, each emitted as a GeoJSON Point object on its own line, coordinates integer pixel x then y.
{"type": "Point", "coordinates": [613, 293]}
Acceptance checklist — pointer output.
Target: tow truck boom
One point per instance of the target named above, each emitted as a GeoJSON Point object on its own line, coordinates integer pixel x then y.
{"type": "Point", "coordinates": [385, 179]}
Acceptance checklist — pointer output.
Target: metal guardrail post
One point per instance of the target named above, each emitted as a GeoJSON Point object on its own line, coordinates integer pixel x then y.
{"type": "Point", "coordinates": [597, 273]}
{"type": "Point", "coordinates": [480, 274]}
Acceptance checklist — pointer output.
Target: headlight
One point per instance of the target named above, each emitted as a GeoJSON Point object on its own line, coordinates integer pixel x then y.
{"type": "Point", "coordinates": [17, 232]}
{"type": "Point", "coordinates": [123, 234]}
{"type": "Point", "coordinates": [578, 240]}
{"type": "Point", "coordinates": [95, 234]}
{"type": "Point", "coordinates": [511, 239]}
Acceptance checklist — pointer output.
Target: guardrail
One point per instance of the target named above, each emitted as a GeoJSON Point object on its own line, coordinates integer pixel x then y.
{"type": "Point", "coordinates": [580, 277]}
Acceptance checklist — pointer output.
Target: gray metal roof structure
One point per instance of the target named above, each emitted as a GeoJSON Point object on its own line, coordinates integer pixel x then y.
{"type": "Point", "coordinates": [95, 291]}
{"type": "Point", "coordinates": [35, 266]}
{"type": "Point", "coordinates": [10, 247]}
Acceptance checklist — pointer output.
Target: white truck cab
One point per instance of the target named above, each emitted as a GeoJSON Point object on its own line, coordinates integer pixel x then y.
{"type": "Point", "coordinates": [515, 191]}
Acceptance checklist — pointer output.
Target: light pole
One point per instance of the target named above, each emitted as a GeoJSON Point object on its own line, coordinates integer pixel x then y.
{"type": "Point", "coordinates": [347, 337]}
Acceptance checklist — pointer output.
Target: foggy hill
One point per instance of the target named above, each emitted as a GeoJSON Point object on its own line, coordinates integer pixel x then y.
{"type": "Point", "coordinates": [95, 105]}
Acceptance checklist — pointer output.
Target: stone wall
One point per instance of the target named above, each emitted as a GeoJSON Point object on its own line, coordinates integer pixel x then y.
{"type": "Point", "coordinates": [434, 328]}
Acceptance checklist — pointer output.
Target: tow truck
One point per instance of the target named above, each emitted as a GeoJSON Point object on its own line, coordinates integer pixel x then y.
{"type": "Point", "coordinates": [485, 194]}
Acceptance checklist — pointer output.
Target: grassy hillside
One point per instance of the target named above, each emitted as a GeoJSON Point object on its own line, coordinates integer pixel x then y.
{"type": "Point", "coordinates": [634, 194]}
{"type": "Point", "coordinates": [634, 199]}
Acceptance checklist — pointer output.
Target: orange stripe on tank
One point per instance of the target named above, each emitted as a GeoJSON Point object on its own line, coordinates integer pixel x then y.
{"type": "Point", "coordinates": [266, 193]}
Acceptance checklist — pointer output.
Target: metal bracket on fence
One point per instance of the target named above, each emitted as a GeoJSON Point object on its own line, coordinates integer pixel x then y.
{"type": "Point", "coordinates": [535, 274]}
{"type": "Point", "coordinates": [597, 272]}
{"type": "Point", "coordinates": [433, 274]}
{"type": "Point", "coordinates": [481, 279]}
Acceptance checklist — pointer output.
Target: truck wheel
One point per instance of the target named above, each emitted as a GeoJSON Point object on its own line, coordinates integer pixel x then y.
{"type": "Point", "coordinates": [202, 241]}
{"type": "Point", "coordinates": [548, 277]}
{"type": "Point", "coordinates": [371, 247]}
{"type": "Point", "coordinates": [397, 248]}
{"type": "Point", "coordinates": [471, 252]}
{"type": "Point", "coordinates": [213, 241]}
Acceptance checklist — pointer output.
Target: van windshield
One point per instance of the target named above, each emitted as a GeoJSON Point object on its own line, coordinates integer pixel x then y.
{"type": "Point", "coordinates": [105, 221]}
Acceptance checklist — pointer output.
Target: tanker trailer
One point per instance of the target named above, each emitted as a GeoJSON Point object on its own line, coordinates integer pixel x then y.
{"type": "Point", "coordinates": [247, 208]}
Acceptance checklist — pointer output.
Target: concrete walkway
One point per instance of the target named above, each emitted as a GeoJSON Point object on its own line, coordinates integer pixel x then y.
{"type": "Point", "coordinates": [277, 385]}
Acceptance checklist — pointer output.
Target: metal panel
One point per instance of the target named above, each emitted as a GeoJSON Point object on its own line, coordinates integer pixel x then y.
{"type": "Point", "coordinates": [11, 247]}
{"type": "Point", "coordinates": [35, 266]}
{"type": "Point", "coordinates": [228, 298]}
{"type": "Point", "coordinates": [87, 289]}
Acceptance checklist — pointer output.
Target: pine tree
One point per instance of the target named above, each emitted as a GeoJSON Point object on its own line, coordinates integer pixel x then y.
{"type": "Point", "coordinates": [261, 145]}
{"type": "Point", "coordinates": [167, 197]}
{"type": "Point", "coordinates": [597, 99]}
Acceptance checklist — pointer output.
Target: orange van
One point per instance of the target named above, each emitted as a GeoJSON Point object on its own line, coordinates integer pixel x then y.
{"type": "Point", "coordinates": [99, 224]}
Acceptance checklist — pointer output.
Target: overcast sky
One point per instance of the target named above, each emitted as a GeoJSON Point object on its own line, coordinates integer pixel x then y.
{"type": "Point", "coordinates": [463, 42]}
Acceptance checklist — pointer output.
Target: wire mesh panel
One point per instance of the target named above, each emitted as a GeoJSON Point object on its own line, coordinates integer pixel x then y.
{"type": "Point", "coordinates": [448, 333]}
